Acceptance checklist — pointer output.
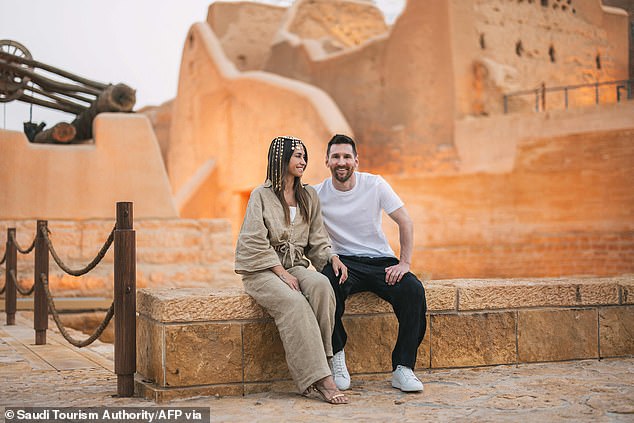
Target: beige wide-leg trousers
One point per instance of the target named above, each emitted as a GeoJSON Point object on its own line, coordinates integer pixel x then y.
{"type": "Point", "coordinates": [305, 320]}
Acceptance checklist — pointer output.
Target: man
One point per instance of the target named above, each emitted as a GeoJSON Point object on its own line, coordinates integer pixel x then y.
{"type": "Point", "coordinates": [351, 204]}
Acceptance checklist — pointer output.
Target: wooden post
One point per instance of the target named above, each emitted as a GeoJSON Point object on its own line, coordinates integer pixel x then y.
{"type": "Point", "coordinates": [40, 305]}
{"type": "Point", "coordinates": [11, 266]}
{"type": "Point", "coordinates": [124, 301]}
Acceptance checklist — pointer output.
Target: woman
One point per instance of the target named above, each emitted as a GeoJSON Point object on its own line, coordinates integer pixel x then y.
{"type": "Point", "coordinates": [283, 228]}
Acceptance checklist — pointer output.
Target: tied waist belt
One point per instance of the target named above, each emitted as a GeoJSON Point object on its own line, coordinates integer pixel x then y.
{"type": "Point", "coordinates": [289, 252]}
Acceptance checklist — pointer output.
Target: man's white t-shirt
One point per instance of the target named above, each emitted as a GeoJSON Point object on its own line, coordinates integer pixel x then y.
{"type": "Point", "coordinates": [353, 218]}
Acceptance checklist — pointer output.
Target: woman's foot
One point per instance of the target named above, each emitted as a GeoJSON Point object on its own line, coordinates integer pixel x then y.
{"type": "Point", "coordinates": [328, 391]}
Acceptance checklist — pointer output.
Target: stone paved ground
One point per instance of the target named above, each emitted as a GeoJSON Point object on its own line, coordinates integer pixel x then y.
{"type": "Point", "coordinates": [591, 390]}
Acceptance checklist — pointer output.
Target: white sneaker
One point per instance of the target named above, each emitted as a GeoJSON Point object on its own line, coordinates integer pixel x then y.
{"type": "Point", "coordinates": [404, 379]}
{"type": "Point", "coordinates": [340, 371]}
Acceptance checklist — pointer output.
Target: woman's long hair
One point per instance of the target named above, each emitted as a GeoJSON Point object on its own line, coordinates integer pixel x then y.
{"type": "Point", "coordinates": [280, 152]}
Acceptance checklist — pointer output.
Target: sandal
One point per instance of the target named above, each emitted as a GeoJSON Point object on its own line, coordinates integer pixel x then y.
{"type": "Point", "coordinates": [334, 399]}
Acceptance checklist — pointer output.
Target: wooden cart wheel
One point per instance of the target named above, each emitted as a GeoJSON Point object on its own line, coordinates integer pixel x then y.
{"type": "Point", "coordinates": [12, 85]}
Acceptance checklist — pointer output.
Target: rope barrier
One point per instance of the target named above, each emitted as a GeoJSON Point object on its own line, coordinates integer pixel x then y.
{"type": "Point", "coordinates": [90, 266]}
{"type": "Point", "coordinates": [22, 250]}
{"type": "Point", "coordinates": [62, 329]}
{"type": "Point", "coordinates": [25, 292]}
{"type": "Point", "coordinates": [4, 257]}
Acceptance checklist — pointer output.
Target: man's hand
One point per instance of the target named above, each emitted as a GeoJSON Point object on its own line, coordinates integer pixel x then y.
{"type": "Point", "coordinates": [340, 269]}
{"type": "Point", "coordinates": [290, 280]}
{"type": "Point", "coordinates": [394, 274]}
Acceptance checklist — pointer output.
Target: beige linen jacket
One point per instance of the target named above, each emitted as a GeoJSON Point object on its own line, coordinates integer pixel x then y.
{"type": "Point", "coordinates": [266, 240]}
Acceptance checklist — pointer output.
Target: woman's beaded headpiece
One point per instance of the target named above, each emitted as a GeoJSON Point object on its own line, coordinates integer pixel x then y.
{"type": "Point", "coordinates": [276, 159]}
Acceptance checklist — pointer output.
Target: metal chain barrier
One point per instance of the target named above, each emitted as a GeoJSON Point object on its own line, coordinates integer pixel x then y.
{"type": "Point", "coordinates": [22, 250]}
{"type": "Point", "coordinates": [90, 265]}
{"type": "Point", "coordinates": [62, 329]}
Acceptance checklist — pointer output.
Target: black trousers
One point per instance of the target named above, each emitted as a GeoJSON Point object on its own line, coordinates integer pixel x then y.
{"type": "Point", "coordinates": [407, 298]}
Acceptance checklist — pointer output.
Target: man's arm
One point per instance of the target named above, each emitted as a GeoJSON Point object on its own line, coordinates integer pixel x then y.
{"type": "Point", "coordinates": [394, 274]}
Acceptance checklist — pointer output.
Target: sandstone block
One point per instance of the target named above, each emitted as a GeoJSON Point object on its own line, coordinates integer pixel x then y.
{"type": "Point", "coordinates": [602, 291]}
{"type": "Point", "coordinates": [472, 339]}
{"type": "Point", "coordinates": [264, 356]}
{"type": "Point", "coordinates": [150, 343]}
{"type": "Point", "coordinates": [203, 354]}
{"type": "Point", "coordinates": [519, 293]}
{"type": "Point", "coordinates": [553, 335]}
{"type": "Point", "coordinates": [370, 342]}
{"type": "Point", "coordinates": [366, 302]}
{"type": "Point", "coordinates": [616, 331]}
{"type": "Point", "coordinates": [197, 304]}
{"type": "Point", "coordinates": [440, 297]}
{"type": "Point", "coordinates": [487, 294]}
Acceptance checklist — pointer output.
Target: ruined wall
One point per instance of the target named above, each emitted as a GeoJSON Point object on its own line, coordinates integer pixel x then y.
{"type": "Point", "coordinates": [396, 90]}
{"type": "Point", "coordinates": [223, 122]}
{"type": "Point", "coordinates": [245, 30]}
{"type": "Point", "coordinates": [334, 25]}
{"type": "Point", "coordinates": [503, 46]}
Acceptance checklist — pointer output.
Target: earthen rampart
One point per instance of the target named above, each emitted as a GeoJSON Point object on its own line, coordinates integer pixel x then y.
{"type": "Point", "coordinates": [85, 181]}
{"type": "Point", "coordinates": [223, 122]}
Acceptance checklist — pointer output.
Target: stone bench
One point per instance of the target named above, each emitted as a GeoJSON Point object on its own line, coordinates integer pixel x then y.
{"type": "Point", "coordinates": [197, 342]}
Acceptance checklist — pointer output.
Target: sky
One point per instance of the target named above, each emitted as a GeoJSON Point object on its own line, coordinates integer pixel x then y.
{"type": "Point", "coordinates": [137, 42]}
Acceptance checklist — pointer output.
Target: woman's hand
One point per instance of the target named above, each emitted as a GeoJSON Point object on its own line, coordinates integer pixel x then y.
{"type": "Point", "coordinates": [286, 277]}
{"type": "Point", "coordinates": [340, 269]}
{"type": "Point", "coordinates": [289, 280]}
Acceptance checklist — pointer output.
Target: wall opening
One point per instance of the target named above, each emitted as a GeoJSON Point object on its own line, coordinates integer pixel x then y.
{"type": "Point", "coordinates": [519, 48]}
{"type": "Point", "coordinates": [551, 54]}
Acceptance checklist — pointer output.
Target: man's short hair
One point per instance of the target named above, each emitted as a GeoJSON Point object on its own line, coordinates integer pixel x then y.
{"type": "Point", "coordinates": [341, 139]}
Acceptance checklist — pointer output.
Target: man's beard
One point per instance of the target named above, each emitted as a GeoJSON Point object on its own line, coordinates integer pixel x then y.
{"type": "Point", "coordinates": [345, 177]}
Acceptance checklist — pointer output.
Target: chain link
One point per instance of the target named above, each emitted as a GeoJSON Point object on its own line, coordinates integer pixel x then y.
{"type": "Point", "coordinates": [90, 266]}
{"type": "Point", "coordinates": [96, 334]}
